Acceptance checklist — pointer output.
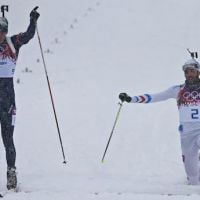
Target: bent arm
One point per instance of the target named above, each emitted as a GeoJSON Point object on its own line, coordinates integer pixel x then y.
{"type": "Point", "coordinates": [23, 38]}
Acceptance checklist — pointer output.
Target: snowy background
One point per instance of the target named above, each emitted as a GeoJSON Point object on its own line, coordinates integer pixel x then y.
{"type": "Point", "coordinates": [95, 49]}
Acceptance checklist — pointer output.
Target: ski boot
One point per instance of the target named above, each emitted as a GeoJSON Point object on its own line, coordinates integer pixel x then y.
{"type": "Point", "coordinates": [11, 178]}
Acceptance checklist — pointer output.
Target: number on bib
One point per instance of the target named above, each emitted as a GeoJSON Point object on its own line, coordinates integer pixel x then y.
{"type": "Point", "coordinates": [194, 113]}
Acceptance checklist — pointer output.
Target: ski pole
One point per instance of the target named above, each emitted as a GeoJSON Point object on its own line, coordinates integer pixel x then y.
{"type": "Point", "coordinates": [52, 101]}
{"type": "Point", "coordinates": [113, 128]}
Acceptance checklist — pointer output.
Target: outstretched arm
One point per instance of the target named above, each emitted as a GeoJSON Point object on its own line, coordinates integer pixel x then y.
{"type": "Point", "coordinates": [172, 92]}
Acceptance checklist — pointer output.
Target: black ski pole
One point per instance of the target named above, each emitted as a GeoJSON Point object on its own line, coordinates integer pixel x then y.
{"type": "Point", "coordinates": [113, 128]}
{"type": "Point", "coordinates": [3, 9]}
{"type": "Point", "coordinates": [49, 86]}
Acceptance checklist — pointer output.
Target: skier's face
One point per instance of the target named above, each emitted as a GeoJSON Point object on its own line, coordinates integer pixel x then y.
{"type": "Point", "coordinates": [191, 75]}
{"type": "Point", "coordinates": [2, 36]}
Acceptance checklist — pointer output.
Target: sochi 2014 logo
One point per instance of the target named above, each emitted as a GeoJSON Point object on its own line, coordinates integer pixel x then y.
{"type": "Point", "coordinates": [191, 96]}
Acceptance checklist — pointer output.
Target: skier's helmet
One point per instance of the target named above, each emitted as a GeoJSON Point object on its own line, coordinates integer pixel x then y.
{"type": "Point", "coordinates": [3, 24]}
{"type": "Point", "coordinates": [191, 64]}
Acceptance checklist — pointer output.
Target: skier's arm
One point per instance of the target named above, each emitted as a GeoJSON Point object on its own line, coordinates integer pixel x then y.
{"type": "Point", "coordinates": [150, 98]}
{"type": "Point", "coordinates": [23, 38]}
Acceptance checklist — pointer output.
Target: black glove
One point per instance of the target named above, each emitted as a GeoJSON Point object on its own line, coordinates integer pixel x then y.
{"type": "Point", "coordinates": [34, 15]}
{"type": "Point", "coordinates": [124, 97]}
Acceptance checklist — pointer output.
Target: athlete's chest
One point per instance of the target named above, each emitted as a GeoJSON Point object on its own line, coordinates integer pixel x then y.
{"type": "Point", "coordinates": [189, 97]}
{"type": "Point", "coordinates": [5, 51]}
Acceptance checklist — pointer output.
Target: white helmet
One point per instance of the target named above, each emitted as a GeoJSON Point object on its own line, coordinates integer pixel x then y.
{"type": "Point", "coordinates": [191, 64]}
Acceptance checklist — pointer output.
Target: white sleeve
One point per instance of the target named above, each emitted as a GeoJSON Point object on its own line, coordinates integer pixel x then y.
{"type": "Point", "coordinates": [171, 92]}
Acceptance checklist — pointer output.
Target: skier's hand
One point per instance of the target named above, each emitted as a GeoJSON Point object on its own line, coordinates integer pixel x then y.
{"type": "Point", "coordinates": [34, 15]}
{"type": "Point", "coordinates": [124, 97]}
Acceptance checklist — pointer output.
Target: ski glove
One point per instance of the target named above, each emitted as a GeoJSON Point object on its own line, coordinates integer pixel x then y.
{"type": "Point", "coordinates": [125, 97]}
{"type": "Point", "coordinates": [34, 15]}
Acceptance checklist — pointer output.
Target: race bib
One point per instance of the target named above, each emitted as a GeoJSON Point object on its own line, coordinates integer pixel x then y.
{"type": "Point", "coordinates": [7, 68]}
{"type": "Point", "coordinates": [189, 114]}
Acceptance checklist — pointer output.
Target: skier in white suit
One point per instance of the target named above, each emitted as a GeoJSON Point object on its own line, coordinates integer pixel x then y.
{"type": "Point", "coordinates": [187, 96]}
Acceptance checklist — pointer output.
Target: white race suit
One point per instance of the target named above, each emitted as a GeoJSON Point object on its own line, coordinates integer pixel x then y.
{"type": "Point", "coordinates": [188, 101]}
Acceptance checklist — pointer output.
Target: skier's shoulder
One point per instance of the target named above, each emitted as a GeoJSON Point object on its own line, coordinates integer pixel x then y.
{"type": "Point", "coordinates": [175, 88]}
{"type": "Point", "coordinates": [16, 38]}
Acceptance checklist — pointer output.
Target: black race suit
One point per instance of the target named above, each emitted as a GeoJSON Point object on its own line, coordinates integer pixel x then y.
{"type": "Point", "coordinates": [7, 94]}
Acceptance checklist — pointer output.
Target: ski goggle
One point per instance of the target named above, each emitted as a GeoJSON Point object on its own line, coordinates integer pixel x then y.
{"type": "Point", "coordinates": [191, 66]}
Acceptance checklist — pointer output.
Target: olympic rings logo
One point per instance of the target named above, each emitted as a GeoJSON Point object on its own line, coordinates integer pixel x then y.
{"type": "Point", "coordinates": [191, 96]}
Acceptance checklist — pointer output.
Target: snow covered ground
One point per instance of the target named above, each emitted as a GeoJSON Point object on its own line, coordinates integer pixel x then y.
{"type": "Point", "coordinates": [95, 49]}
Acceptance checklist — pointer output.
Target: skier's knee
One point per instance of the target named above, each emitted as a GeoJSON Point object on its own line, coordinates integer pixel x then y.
{"type": "Point", "coordinates": [10, 151]}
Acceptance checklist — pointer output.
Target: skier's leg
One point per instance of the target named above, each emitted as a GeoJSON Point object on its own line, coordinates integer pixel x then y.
{"type": "Point", "coordinates": [190, 158]}
{"type": "Point", "coordinates": [7, 129]}
{"type": "Point", "coordinates": [198, 144]}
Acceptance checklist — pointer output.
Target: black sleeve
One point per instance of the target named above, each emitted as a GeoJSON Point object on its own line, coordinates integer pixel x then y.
{"type": "Point", "coordinates": [23, 38]}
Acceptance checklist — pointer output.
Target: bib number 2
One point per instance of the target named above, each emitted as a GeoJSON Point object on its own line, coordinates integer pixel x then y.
{"type": "Point", "coordinates": [194, 113]}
